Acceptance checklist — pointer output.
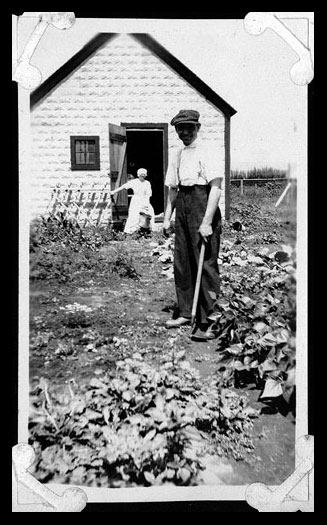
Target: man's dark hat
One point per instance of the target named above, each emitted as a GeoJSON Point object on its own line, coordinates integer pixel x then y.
{"type": "Point", "coordinates": [187, 116]}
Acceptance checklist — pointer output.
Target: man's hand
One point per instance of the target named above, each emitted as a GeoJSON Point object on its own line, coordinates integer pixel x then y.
{"type": "Point", "coordinates": [165, 227]}
{"type": "Point", "coordinates": [205, 230]}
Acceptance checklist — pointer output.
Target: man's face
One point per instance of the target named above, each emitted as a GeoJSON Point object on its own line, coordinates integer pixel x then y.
{"type": "Point", "coordinates": [187, 132]}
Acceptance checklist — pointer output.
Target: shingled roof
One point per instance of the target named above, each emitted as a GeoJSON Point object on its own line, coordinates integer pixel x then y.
{"type": "Point", "coordinates": [149, 42]}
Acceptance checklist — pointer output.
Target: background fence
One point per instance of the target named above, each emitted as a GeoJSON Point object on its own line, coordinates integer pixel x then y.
{"type": "Point", "coordinates": [258, 176]}
{"type": "Point", "coordinates": [253, 182]}
{"type": "Point", "coordinates": [259, 173]}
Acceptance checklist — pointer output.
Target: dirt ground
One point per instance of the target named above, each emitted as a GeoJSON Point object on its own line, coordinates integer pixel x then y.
{"type": "Point", "coordinates": [120, 315]}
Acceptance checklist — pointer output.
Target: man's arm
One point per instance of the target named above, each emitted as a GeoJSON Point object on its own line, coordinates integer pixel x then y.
{"type": "Point", "coordinates": [171, 203]}
{"type": "Point", "coordinates": [213, 200]}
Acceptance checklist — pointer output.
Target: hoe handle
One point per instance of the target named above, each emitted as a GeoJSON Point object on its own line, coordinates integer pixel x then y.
{"type": "Point", "coordinates": [197, 284]}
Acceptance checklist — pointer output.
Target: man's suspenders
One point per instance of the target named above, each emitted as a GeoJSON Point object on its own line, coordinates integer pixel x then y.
{"type": "Point", "coordinates": [178, 158]}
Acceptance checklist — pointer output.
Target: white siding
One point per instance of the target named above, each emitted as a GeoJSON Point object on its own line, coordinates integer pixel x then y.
{"type": "Point", "coordinates": [121, 82]}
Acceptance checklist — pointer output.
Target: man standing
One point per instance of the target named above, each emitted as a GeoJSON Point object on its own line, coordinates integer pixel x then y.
{"type": "Point", "coordinates": [194, 185]}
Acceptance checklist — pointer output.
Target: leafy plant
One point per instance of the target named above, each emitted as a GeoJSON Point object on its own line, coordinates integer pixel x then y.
{"type": "Point", "coordinates": [58, 229]}
{"type": "Point", "coordinates": [61, 249]}
{"type": "Point", "coordinates": [135, 426]}
{"type": "Point", "coordinates": [122, 264]}
{"type": "Point", "coordinates": [256, 329]}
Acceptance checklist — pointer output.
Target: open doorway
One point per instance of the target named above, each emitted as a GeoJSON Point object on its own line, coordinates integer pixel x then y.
{"type": "Point", "coordinates": [146, 149]}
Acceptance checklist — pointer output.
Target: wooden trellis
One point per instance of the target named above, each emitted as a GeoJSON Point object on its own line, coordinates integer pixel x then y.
{"type": "Point", "coordinates": [86, 204]}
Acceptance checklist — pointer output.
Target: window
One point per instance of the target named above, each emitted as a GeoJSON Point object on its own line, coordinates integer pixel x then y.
{"type": "Point", "coordinates": [85, 153]}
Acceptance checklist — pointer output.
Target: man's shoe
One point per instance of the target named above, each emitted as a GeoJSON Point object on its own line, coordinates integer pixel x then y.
{"type": "Point", "coordinates": [176, 323]}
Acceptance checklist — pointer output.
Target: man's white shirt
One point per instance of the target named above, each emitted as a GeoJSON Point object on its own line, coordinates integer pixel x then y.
{"type": "Point", "coordinates": [194, 164]}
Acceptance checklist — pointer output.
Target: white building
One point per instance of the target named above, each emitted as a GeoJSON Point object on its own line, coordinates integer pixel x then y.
{"type": "Point", "coordinates": [106, 112]}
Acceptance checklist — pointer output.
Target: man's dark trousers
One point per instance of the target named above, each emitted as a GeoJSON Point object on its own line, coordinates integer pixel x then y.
{"type": "Point", "coordinates": [191, 206]}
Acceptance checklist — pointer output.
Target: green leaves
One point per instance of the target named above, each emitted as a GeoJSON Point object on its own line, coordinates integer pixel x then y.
{"type": "Point", "coordinates": [149, 435]}
{"type": "Point", "coordinates": [184, 474]}
{"type": "Point", "coordinates": [64, 250]}
{"type": "Point", "coordinates": [135, 425]}
{"type": "Point", "coordinates": [149, 477]}
{"type": "Point", "coordinates": [261, 327]}
{"type": "Point", "coordinates": [256, 318]}
{"type": "Point", "coordinates": [236, 349]}
{"type": "Point", "coordinates": [267, 340]}
{"type": "Point", "coordinates": [272, 388]}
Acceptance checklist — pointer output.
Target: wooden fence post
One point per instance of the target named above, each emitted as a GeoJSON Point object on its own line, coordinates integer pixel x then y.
{"type": "Point", "coordinates": [241, 186]}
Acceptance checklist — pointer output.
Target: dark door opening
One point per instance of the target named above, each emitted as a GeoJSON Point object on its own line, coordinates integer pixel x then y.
{"type": "Point", "coordinates": [145, 149]}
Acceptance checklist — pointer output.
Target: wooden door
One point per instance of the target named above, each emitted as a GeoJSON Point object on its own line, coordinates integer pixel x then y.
{"type": "Point", "coordinates": [118, 164]}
